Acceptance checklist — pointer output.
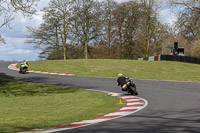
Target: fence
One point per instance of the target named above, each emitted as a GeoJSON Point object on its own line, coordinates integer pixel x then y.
{"type": "Point", "coordinates": [186, 59]}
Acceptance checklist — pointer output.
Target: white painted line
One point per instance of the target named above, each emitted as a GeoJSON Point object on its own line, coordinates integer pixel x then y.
{"type": "Point", "coordinates": [125, 97]}
{"type": "Point", "coordinates": [62, 74]}
{"type": "Point", "coordinates": [53, 73]}
{"type": "Point", "coordinates": [91, 121]}
{"type": "Point", "coordinates": [131, 108]}
{"type": "Point", "coordinates": [118, 113]}
{"type": "Point", "coordinates": [135, 103]}
{"type": "Point", "coordinates": [132, 100]}
{"type": "Point", "coordinates": [44, 72]}
{"type": "Point", "coordinates": [37, 72]}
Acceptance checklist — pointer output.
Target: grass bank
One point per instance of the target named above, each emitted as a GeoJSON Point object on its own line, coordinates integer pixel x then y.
{"type": "Point", "coordinates": [26, 106]}
{"type": "Point", "coordinates": [163, 70]}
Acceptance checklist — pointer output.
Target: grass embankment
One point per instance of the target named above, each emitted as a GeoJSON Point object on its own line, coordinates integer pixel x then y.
{"type": "Point", "coordinates": [163, 70]}
{"type": "Point", "coordinates": [26, 106]}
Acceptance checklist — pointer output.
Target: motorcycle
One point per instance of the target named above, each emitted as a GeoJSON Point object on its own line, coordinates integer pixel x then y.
{"type": "Point", "coordinates": [131, 87]}
{"type": "Point", "coordinates": [23, 69]}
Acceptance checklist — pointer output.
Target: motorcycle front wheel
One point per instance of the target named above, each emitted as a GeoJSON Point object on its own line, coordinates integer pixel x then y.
{"type": "Point", "coordinates": [133, 90]}
{"type": "Point", "coordinates": [23, 70]}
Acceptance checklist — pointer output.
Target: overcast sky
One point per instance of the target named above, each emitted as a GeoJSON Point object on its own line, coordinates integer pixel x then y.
{"type": "Point", "coordinates": [16, 49]}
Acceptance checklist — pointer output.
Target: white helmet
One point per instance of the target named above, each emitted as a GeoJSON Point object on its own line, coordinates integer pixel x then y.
{"type": "Point", "coordinates": [120, 74]}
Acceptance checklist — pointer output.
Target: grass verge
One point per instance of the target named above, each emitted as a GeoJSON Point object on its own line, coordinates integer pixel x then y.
{"type": "Point", "coordinates": [26, 106]}
{"type": "Point", "coordinates": [163, 70]}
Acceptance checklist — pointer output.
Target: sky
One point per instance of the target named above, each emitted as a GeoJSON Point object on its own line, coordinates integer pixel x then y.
{"type": "Point", "coordinates": [16, 49]}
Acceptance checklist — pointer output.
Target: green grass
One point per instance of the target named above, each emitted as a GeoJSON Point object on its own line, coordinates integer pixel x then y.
{"type": "Point", "coordinates": [163, 70]}
{"type": "Point", "coordinates": [26, 106]}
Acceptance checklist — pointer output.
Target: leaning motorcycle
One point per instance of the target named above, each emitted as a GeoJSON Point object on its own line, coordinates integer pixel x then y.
{"type": "Point", "coordinates": [23, 69]}
{"type": "Point", "coordinates": [131, 87]}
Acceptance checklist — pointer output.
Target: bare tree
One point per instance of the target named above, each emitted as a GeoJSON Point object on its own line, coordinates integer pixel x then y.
{"type": "Point", "coordinates": [125, 30]}
{"type": "Point", "coordinates": [87, 22]}
{"type": "Point", "coordinates": [126, 18]}
{"type": "Point", "coordinates": [188, 20]}
{"type": "Point", "coordinates": [148, 25]}
{"type": "Point", "coordinates": [188, 25]}
{"type": "Point", "coordinates": [109, 6]}
{"type": "Point", "coordinates": [53, 32]}
{"type": "Point", "coordinates": [47, 35]}
{"type": "Point", "coordinates": [8, 9]}
{"type": "Point", "coordinates": [63, 12]}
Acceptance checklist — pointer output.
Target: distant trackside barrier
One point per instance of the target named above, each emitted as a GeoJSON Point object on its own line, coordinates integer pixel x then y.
{"type": "Point", "coordinates": [186, 59]}
{"type": "Point", "coordinates": [151, 58]}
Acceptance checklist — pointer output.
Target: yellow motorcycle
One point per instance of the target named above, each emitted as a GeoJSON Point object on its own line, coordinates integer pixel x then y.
{"type": "Point", "coordinates": [23, 68]}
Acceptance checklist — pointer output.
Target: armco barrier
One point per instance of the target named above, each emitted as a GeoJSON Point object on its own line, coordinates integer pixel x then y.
{"type": "Point", "coordinates": [186, 59]}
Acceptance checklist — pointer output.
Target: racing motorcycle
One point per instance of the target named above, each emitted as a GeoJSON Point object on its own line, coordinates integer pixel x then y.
{"type": "Point", "coordinates": [131, 87]}
{"type": "Point", "coordinates": [23, 69]}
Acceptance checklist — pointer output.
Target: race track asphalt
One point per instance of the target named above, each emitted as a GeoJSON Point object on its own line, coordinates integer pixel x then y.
{"type": "Point", "coordinates": [173, 107]}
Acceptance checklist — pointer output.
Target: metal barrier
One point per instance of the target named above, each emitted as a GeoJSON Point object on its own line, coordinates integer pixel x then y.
{"type": "Point", "coordinates": [186, 59]}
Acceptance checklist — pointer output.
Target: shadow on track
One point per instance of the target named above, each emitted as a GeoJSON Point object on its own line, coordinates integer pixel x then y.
{"type": "Point", "coordinates": [186, 121]}
{"type": "Point", "coordinates": [167, 122]}
{"type": "Point", "coordinates": [5, 76]}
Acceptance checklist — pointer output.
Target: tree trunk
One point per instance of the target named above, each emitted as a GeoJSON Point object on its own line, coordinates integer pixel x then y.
{"type": "Point", "coordinates": [64, 46]}
{"type": "Point", "coordinates": [64, 52]}
{"type": "Point", "coordinates": [64, 37]}
{"type": "Point", "coordinates": [86, 50]}
{"type": "Point", "coordinates": [86, 45]}
{"type": "Point", "coordinates": [86, 38]}
{"type": "Point", "coordinates": [148, 40]}
{"type": "Point", "coordinates": [57, 43]}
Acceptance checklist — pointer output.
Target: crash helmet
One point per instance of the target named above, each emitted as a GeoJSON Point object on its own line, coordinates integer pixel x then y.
{"type": "Point", "coordinates": [26, 62]}
{"type": "Point", "coordinates": [120, 74]}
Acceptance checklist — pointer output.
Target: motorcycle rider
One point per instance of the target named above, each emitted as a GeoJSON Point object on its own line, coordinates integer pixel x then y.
{"type": "Point", "coordinates": [25, 63]}
{"type": "Point", "coordinates": [122, 81]}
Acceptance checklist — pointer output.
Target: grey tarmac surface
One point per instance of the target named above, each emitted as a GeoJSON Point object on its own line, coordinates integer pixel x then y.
{"type": "Point", "coordinates": [173, 107]}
